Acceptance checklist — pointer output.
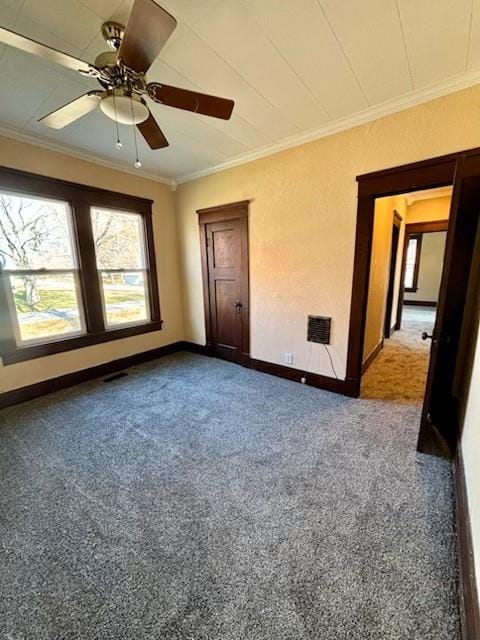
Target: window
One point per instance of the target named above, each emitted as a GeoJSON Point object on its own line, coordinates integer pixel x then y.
{"type": "Point", "coordinates": [77, 266]}
{"type": "Point", "coordinates": [40, 262]}
{"type": "Point", "coordinates": [121, 260]}
{"type": "Point", "coordinates": [412, 264]}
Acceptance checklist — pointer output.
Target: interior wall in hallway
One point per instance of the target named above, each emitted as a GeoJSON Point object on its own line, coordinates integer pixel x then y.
{"type": "Point", "coordinates": [302, 221]}
{"type": "Point", "coordinates": [26, 157]}
{"type": "Point", "coordinates": [431, 265]}
{"type": "Point", "coordinates": [429, 209]}
{"type": "Point", "coordinates": [380, 269]}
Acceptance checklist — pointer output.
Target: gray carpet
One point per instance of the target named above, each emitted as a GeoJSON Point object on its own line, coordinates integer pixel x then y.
{"type": "Point", "coordinates": [198, 500]}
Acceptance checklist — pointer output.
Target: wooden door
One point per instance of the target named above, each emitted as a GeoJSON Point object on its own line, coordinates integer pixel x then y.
{"type": "Point", "coordinates": [225, 272]}
{"type": "Point", "coordinates": [439, 425]}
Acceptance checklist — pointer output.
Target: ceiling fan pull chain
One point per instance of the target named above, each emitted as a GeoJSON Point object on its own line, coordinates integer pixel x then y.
{"type": "Point", "coordinates": [137, 164]}
{"type": "Point", "coordinates": [118, 143]}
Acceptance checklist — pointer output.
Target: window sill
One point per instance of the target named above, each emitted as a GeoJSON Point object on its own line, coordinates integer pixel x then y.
{"type": "Point", "coordinates": [20, 354]}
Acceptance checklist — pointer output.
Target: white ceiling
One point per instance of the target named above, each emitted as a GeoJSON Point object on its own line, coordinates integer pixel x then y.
{"type": "Point", "coordinates": [297, 69]}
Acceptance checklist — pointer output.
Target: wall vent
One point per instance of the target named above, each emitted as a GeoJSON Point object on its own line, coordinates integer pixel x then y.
{"type": "Point", "coordinates": [319, 329]}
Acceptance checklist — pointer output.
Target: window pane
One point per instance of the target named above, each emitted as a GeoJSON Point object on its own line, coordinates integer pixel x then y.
{"type": "Point", "coordinates": [125, 297]}
{"type": "Point", "coordinates": [46, 305]}
{"type": "Point", "coordinates": [410, 262]}
{"type": "Point", "coordinates": [412, 251]}
{"type": "Point", "coordinates": [118, 239]}
{"type": "Point", "coordinates": [409, 276]}
{"type": "Point", "coordinates": [35, 234]}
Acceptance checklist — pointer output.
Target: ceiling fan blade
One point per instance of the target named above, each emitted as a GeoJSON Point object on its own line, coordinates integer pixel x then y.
{"type": "Point", "coordinates": [47, 53]}
{"type": "Point", "coordinates": [190, 100]}
{"type": "Point", "coordinates": [152, 133]}
{"type": "Point", "coordinates": [148, 29]}
{"type": "Point", "coordinates": [72, 110]}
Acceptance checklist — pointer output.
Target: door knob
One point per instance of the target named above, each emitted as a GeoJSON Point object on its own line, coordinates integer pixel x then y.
{"type": "Point", "coordinates": [238, 305]}
{"type": "Point", "coordinates": [426, 335]}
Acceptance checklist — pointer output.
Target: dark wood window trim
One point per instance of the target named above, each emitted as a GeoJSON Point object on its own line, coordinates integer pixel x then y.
{"type": "Point", "coordinates": [80, 198]}
{"type": "Point", "coordinates": [416, 266]}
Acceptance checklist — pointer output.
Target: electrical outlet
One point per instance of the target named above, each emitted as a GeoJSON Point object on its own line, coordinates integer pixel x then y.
{"type": "Point", "coordinates": [288, 358]}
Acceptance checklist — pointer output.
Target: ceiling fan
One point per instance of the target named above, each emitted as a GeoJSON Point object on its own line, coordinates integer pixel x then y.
{"type": "Point", "coordinates": [121, 73]}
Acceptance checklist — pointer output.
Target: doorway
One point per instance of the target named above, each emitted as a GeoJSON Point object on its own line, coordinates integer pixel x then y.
{"type": "Point", "coordinates": [406, 268]}
{"type": "Point", "coordinates": [439, 422]}
{"type": "Point", "coordinates": [421, 265]}
{"type": "Point", "coordinates": [224, 247]}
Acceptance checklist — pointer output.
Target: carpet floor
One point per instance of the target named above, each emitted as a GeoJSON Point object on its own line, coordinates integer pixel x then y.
{"type": "Point", "coordinates": [399, 372]}
{"type": "Point", "coordinates": [198, 500]}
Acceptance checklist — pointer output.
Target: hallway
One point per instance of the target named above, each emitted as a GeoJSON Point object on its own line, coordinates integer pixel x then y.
{"type": "Point", "coordinates": [399, 372]}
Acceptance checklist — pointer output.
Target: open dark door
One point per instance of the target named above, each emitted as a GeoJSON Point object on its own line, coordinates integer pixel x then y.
{"type": "Point", "coordinates": [439, 425]}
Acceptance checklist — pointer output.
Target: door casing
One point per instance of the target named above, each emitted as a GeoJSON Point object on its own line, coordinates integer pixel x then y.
{"type": "Point", "coordinates": [426, 174]}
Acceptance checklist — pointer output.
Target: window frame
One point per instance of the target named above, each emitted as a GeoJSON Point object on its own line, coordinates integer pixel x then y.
{"type": "Point", "coordinates": [416, 266]}
{"type": "Point", "coordinates": [80, 198]}
{"type": "Point", "coordinates": [143, 270]}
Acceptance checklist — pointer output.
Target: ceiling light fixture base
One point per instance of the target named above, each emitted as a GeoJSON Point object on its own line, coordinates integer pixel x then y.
{"type": "Point", "coordinates": [124, 106]}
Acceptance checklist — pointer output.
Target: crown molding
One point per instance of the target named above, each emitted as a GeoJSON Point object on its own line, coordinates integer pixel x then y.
{"type": "Point", "coordinates": [14, 134]}
{"type": "Point", "coordinates": [428, 194]}
{"type": "Point", "coordinates": [412, 99]}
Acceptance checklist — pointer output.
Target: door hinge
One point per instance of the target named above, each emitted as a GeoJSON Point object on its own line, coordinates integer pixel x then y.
{"type": "Point", "coordinates": [208, 241]}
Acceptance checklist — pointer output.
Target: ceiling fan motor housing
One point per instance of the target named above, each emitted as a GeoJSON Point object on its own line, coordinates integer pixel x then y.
{"type": "Point", "coordinates": [113, 33]}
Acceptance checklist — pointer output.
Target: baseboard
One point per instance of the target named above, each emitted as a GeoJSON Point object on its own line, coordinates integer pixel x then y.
{"type": "Point", "coordinates": [44, 387]}
{"type": "Point", "coordinates": [345, 387]}
{"type": "Point", "coordinates": [372, 356]}
{"type": "Point", "coordinates": [202, 349]}
{"type": "Point", "coordinates": [312, 379]}
{"type": "Point", "coordinates": [469, 603]}
{"type": "Point", "coordinates": [419, 303]}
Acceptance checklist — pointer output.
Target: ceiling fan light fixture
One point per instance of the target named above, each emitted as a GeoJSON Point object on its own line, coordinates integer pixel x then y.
{"type": "Point", "coordinates": [124, 108]}
{"type": "Point", "coordinates": [121, 74]}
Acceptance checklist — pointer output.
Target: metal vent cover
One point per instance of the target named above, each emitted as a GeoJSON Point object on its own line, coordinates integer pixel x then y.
{"type": "Point", "coordinates": [319, 329]}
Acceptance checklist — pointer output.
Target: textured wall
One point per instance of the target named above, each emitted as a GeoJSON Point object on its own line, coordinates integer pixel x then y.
{"type": "Point", "coordinates": [379, 272]}
{"type": "Point", "coordinates": [380, 269]}
{"type": "Point", "coordinates": [431, 266]}
{"type": "Point", "coordinates": [29, 158]}
{"type": "Point", "coordinates": [302, 222]}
